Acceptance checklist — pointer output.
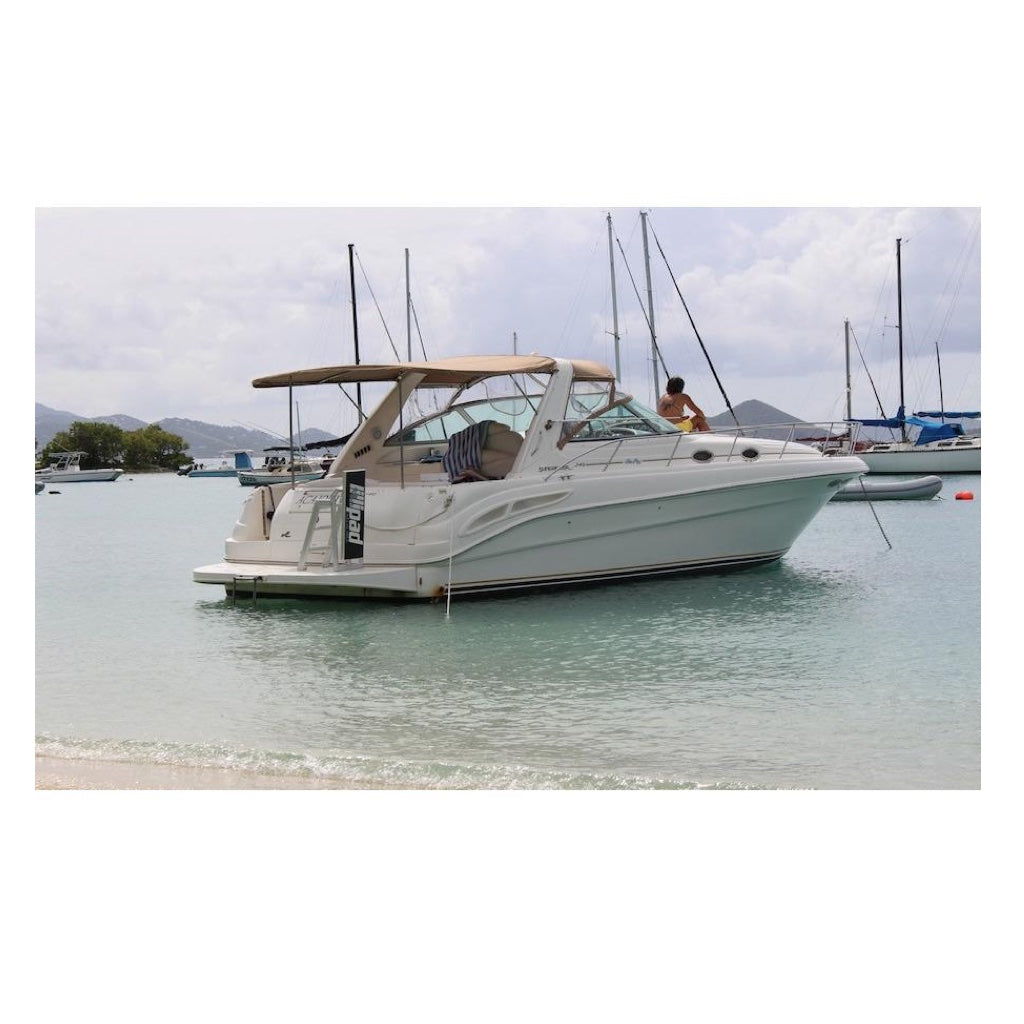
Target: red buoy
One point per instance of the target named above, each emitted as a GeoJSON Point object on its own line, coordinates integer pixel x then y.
{"type": "Point", "coordinates": [964, 496]}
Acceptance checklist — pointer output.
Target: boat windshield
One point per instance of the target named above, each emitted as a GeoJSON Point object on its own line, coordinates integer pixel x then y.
{"type": "Point", "coordinates": [515, 411]}
{"type": "Point", "coordinates": [595, 412]}
{"type": "Point", "coordinates": [598, 414]}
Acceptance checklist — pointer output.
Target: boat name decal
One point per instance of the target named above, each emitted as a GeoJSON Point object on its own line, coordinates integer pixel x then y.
{"type": "Point", "coordinates": [355, 505]}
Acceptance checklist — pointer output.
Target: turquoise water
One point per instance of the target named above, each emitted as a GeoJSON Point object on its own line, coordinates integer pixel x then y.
{"type": "Point", "coordinates": [825, 671]}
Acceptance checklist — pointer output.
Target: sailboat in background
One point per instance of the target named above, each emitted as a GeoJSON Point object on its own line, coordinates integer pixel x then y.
{"type": "Point", "coordinates": [938, 446]}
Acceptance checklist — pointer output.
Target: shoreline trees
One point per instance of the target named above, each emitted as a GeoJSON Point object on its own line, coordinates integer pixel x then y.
{"type": "Point", "coordinates": [104, 444]}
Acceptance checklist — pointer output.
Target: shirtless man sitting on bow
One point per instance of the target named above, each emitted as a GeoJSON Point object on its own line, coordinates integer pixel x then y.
{"type": "Point", "coordinates": [674, 403]}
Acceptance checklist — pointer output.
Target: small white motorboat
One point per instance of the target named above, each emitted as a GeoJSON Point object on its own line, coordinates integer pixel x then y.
{"type": "Point", "coordinates": [865, 489]}
{"type": "Point", "coordinates": [66, 468]}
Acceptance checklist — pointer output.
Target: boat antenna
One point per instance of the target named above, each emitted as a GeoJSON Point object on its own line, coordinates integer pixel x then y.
{"type": "Point", "coordinates": [615, 304]}
{"type": "Point", "coordinates": [700, 340]}
{"type": "Point", "coordinates": [298, 437]}
{"type": "Point", "coordinates": [291, 428]}
{"type": "Point", "coordinates": [355, 322]}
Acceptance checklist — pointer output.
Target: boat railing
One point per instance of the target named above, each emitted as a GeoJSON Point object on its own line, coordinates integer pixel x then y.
{"type": "Point", "coordinates": [836, 438]}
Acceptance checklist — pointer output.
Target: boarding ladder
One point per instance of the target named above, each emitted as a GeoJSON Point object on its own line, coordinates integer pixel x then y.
{"type": "Point", "coordinates": [333, 506]}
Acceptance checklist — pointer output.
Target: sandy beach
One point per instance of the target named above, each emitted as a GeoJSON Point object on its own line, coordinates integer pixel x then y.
{"type": "Point", "coordinates": [61, 773]}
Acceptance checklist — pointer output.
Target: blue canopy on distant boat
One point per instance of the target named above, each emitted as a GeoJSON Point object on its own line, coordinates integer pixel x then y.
{"type": "Point", "coordinates": [932, 431]}
{"type": "Point", "coordinates": [929, 429]}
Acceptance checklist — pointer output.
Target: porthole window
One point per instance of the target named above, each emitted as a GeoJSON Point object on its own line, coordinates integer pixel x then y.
{"type": "Point", "coordinates": [750, 453]}
{"type": "Point", "coordinates": [702, 456]}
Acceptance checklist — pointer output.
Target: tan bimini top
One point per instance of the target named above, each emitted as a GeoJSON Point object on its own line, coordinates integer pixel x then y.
{"type": "Point", "coordinates": [457, 371]}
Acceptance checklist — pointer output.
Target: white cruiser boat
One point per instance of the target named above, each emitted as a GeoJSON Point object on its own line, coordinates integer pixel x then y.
{"type": "Point", "coordinates": [532, 472]}
{"type": "Point", "coordinates": [66, 468]}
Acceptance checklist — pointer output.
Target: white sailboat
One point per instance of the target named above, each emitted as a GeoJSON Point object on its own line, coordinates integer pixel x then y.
{"type": "Point", "coordinates": [938, 446]}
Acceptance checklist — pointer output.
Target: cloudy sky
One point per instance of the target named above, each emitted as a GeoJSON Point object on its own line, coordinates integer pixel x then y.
{"type": "Point", "coordinates": [171, 311]}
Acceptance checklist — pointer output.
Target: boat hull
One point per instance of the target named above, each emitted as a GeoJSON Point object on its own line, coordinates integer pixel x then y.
{"type": "Point", "coordinates": [495, 539]}
{"type": "Point", "coordinates": [258, 479]}
{"type": "Point", "coordinates": [911, 459]}
{"type": "Point", "coordinates": [81, 476]}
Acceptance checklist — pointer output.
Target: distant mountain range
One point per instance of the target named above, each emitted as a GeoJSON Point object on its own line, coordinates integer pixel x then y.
{"type": "Point", "coordinates": [204, 440]}
{"type": "Point", "coordinates": [209, 440]}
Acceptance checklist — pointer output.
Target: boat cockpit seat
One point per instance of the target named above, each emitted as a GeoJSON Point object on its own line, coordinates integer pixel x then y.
{"type": "Point", "coordinates": [483, 451]}
{"type": "Point", "coordinates": [499, 451]}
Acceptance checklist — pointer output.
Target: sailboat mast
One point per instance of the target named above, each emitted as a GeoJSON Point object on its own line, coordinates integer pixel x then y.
{"type": "Point", "coordinates": [408, 309]}
{"type": "Point", "coordinates": [899, 325]}
{"type": "Point", "coordinates": [849, 403]}
{"type": "Point", "coordinates": [615, 303]}
{"type": "Point", "coordinates": [355, 323]}
{"type": "Point", "coordinates": [650, 307]}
